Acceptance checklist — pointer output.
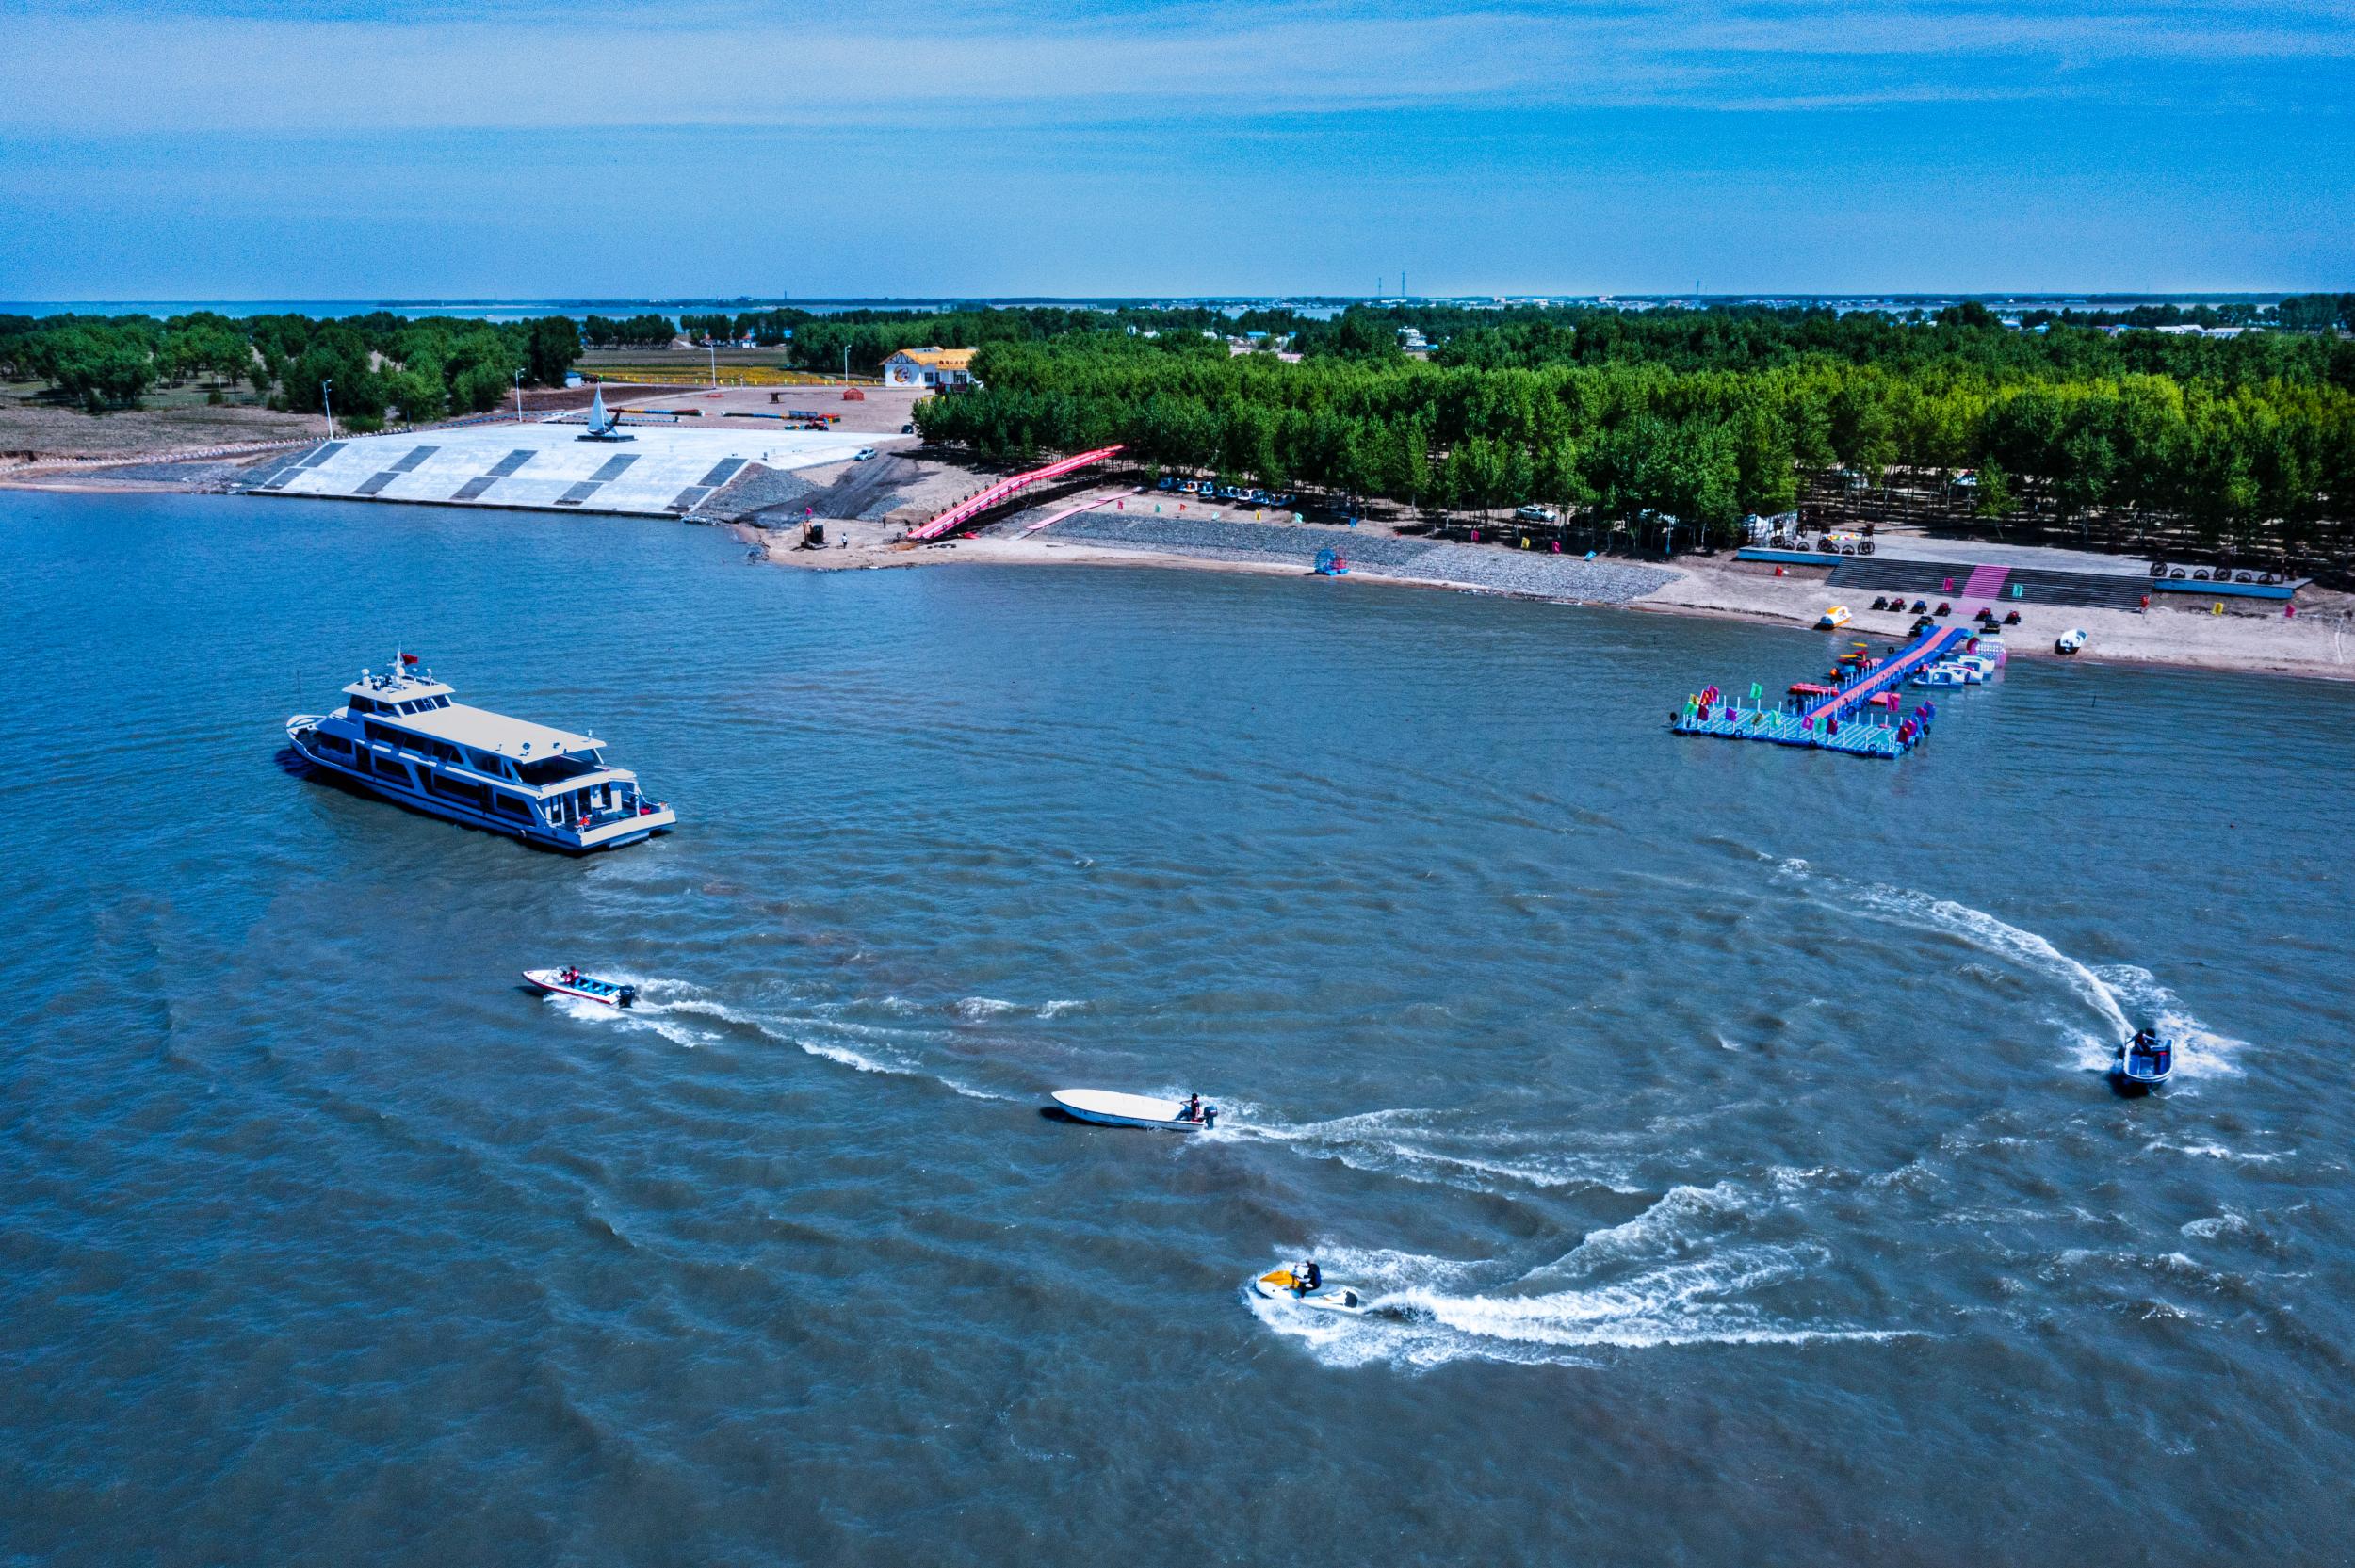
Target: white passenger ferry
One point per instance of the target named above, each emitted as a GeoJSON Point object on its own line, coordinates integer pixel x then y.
{"type": "Point", "coordinates": [401, 734]}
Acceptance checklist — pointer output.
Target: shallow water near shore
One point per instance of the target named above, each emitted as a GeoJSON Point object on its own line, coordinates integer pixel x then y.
{"type": "Point", "coordinates": [1720, 1129]}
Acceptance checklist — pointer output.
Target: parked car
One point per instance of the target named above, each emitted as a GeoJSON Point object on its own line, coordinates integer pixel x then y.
{"type": "Point", "coordinates": [1537, 513]}
{"type": "Point", "coordinates": [862, 454]}
{"type": "Point", "coordinates": [1168, 481]}
{"type": "Point", "coordinates": [907, 428]}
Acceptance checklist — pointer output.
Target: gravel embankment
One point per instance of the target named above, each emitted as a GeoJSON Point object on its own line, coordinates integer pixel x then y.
{"type": "Point", "coordinates": [1545, 575]}
{"type": "Point", "coordinates": [1502, 571]}
{"type": "Point", "coordinates": [757, 488]}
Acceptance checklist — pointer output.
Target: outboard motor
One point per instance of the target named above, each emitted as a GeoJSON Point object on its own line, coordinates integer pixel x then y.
{"type": "Point", "coordinates": [628, 996]}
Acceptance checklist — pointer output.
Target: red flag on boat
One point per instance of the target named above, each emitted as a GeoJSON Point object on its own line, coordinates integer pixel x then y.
{"type": "Point", "coordinates": [408, 658]}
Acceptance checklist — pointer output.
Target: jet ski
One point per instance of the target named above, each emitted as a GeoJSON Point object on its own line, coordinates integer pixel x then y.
{"type": "Point", "coordinates": [1112, 1108]}
{"type": "Point", "coordinates": [2143, 1063]}
{"type": "Point", "coordinates": [1284, 1285]}
{"type": "Point", "coordinates": [572, 982]}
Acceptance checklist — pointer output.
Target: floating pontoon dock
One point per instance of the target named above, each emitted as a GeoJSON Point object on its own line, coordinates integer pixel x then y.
{"type": "Point", "coordinates": [1857, 716]}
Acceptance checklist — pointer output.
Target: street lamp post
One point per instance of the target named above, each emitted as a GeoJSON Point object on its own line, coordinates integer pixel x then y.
{"type": "Point", "coordinates": [519, 396]}
{"type": "Point", "coordinates": [328, 402]}
{"type": "Point", "coordinates": [715, 363]}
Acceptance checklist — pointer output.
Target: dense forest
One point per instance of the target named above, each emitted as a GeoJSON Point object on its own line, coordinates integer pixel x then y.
{"type": "Point", "coordinates": [1710, 415]}
{"type": "Point", "coordinates": [379, 363]}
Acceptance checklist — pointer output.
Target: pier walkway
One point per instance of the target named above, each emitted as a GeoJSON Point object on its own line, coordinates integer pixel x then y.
{"type": "Point", "coordinates": [1004, 490]}
{"type": "Point", "coordinates": [1885, 676]}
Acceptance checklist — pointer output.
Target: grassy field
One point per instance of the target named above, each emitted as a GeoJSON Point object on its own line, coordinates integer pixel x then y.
{"type": "Point", "coordinates": [175, 419]}
{"type": "Point", "coordinates": [684, 367]}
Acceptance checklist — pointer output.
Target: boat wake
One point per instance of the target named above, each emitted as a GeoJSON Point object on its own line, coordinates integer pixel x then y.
{"type": "Point", "coordinates": [2116, 994]}
{"type": "Point", "coordinates": [1421, 1145]}
{"type": "Point", "coordinates": [1674, 1275]}
{"type": "Point", "coordinates": [2200, 1052]}
{"type": "Point", "coordinates": [670, 1007]}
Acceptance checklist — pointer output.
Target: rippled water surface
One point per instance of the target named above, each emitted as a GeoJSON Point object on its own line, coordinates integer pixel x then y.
{"type": "Point", "coordinates": [1720, 1129]}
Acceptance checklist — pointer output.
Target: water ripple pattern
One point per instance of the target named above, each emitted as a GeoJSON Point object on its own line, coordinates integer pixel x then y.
{"type": "Point", "coordinates": [1719, 1140]}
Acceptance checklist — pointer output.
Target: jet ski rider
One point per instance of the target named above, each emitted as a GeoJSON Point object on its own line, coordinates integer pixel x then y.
{"type": "Point", "coordinates": [1309, 1277]}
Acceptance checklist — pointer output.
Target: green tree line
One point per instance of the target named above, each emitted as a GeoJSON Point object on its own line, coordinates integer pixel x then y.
{"type": "Point", "coordinates": [1707, 419]}
{"type": "Point", "coordinates": [379, 362]}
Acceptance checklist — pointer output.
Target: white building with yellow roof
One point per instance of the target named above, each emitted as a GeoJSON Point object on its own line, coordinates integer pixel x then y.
{"type": "Point", "coordinates": [937, 368]}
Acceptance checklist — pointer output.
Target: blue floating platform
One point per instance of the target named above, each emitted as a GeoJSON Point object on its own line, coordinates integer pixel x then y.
{"type": "Point", "coordinates": [1839, 720]}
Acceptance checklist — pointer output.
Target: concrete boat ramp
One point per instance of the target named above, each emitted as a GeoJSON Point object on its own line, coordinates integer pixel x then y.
{"type": "Point", "coordinates": [660, 472]}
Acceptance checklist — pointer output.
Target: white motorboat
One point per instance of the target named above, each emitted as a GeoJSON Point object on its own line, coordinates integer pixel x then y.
{"type": "Point", "coordinates": [1940, 674]}
{"type": "Point", "coordinates": [400, 735]}
{"type": "Point", "coordinates": [2070, 641]}
{"type": "Point", "coordinates": [1113, 1108]}
{"type": "Point", "coordinates": [1284, 1285]}
{"type": "Point", "coordinates": [572, 982]}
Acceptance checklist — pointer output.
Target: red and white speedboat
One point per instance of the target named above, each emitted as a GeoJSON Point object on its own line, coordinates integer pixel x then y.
{"type": "Point", "coordinates": [572, 982]}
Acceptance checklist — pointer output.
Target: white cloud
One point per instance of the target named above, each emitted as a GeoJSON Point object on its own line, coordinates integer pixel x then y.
{"type": "Point", "coordinates": [83, 70]}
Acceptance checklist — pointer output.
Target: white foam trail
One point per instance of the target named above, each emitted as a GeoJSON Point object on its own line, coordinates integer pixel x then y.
{"type": "Point", "coordinates": [629, 1018]}
{"type": "Point", "coordinates": [1419, 1316]}
{"type": "Point", "coordinates": [1395, 1143]}
{"type": "Point", "coordinates": [1663, 1278]}
{"type": "Point", "coordinates": [1058, 1008]}
{"type": "Point", "coordinates": [985, 1007]}
{"type": "Point", "coordinates": [2200, 1052]}
{"type": "Point", "coordinates": [658, 997]}
{"type": "Point", "coordinates": [2216, 1226]}
{"type": "Point", "coordinates": [2113, 991]}
{"type": "Point", "coordinates": [2212, 1151]}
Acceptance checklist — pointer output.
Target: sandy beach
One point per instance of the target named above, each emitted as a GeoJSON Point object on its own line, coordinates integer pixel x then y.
{"type": "Point", "coordinates": [2180, 631]}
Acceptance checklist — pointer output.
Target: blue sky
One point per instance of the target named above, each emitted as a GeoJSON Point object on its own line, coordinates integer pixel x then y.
{"type": "Point", "coordinates": [348, 149]}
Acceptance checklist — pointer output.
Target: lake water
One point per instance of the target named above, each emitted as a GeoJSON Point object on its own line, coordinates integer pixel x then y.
{"type": "Point", "coordinates": [1720, 1128]}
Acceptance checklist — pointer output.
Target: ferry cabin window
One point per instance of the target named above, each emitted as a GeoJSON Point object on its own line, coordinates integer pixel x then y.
{"type": "Point", "coordinates": [511, 805]}
{"type": "Point", "coordinates": [362, 705]}
{"type": "Point", "coordinates": [475, 794]}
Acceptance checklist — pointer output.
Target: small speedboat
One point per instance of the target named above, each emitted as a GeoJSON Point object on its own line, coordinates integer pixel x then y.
{"type": "Point", "coordinates": [1112, 1108]}
{"type": "Point", "coordinates": [2143, 1063]}
{"type": "Point", "coordinates": [1284, 1285]}
{"type": "Point", "coordinates": [2069, 641]}
{"type": "Point", "coordinates": [1941, 674]}
{"type": "Point", "coordinates": [1833, 619]}
{"type": "Point", "coordinates": [572, 982]}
